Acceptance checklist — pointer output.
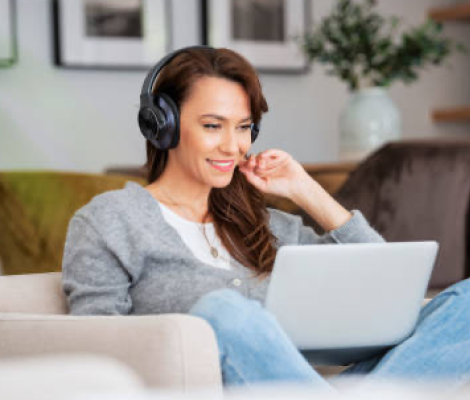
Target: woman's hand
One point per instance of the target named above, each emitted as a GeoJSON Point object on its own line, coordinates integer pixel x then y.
{"type": "Point", "coordinates": [274, 172]}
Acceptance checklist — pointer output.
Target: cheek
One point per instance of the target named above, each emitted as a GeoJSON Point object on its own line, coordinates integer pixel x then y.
{"type": "Point", "coordinates": [206, 143]}
{"type": "Point", "coordinates": [245, 143]}
{"type": "Point", "coordinates": [197, 141]}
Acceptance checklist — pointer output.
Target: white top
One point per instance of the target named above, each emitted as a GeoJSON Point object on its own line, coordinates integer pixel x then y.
{"type": "Point", "coordinates": [192, 234]}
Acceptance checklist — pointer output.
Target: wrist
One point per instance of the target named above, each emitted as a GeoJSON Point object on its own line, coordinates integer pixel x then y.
{"type": "Point", "coordinates": [304, 188]}
{"type": "Point", "coordinates": [320, 205]}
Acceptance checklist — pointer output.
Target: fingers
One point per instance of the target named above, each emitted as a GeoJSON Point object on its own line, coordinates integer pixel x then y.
{"type": "Point", "coordinates": [265, 158]}
{"type": "Point", "coordinates": [251, 163]}
{"type": "Point", "coordinates": [253, 177]}
{"type": "Point", "coordinates": [262, 166]}
{"type": "Point", "coordinates": [265, 163]}
{"type": "Point", "coordinates": [270, 169]}
{"type": "Point", "coordinates": [271, 154]}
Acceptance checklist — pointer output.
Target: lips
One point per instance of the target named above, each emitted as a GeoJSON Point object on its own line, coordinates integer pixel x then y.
{"type": "Point", "coordinates": [226, 165]}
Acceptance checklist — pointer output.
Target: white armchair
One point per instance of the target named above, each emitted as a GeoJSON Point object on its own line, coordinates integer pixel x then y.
{"type": "Point", "coordinates": [167, 351]}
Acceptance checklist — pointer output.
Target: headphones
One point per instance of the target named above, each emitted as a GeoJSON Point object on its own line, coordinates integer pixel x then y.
{"type": "Point", "coordinates": [159, 118]}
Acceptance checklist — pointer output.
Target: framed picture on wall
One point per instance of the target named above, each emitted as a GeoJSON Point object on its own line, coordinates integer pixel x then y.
{"type": "Point", "coordinates": [263, 31]}
{"type": "Point", "coordinates": [110, 34]}
{"type": "Point", "coordinates": [8, 53]}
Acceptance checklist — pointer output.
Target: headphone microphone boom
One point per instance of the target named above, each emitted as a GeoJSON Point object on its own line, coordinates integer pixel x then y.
{"type": "Point", "coordinates": [159, 118]}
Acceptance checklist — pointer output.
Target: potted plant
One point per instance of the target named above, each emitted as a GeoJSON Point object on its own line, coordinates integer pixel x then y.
{"type": "Point", "coordinates": [370, 52]}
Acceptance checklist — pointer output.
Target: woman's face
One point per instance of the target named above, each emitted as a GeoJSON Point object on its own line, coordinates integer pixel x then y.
{"type": "Point", "coordinates": [215, 131]}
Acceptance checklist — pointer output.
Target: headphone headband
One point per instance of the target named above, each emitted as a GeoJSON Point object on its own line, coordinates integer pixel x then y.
{"type": "Point", "coordinates": [155, 70]}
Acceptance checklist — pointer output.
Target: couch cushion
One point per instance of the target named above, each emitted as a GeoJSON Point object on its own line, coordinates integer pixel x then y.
{"type": "Point", "coordinates": [32, 294]}
{"type": "Point", "coordinates": [35, 209]}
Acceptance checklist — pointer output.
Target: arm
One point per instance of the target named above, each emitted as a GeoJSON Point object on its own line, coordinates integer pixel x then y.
{"type": "Point", "coordinates": [290, 230]}
{"type": "Point", "coordinates": [355, 230]}
{"type": "Point", "coordinates": [276, 172]}
{"type": "Point", "coordinates": [93, 278]}
{"type": "Point", "coordinates": [341, 225]}
{"type": "Point", "coordinates": [318, 203]}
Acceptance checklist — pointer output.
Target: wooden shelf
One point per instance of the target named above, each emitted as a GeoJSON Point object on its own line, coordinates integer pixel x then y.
{"type": "Point", "coordinates": [333, 167]}
{"type": "Point", "coordinates": [450, 13]}
{"type": "Point", "coordinates": [457, 12]}
{"type": "Point", "coordinates": [454, 114]}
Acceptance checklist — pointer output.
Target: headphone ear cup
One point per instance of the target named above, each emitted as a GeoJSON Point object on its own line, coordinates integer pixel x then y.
{"type": "Point", "coordinates": [172, 118]}
{"type": "Point", "coordinates": [164, 122]}
{"type": "Point", "coordinates": [150, 120]}
{"type": "Point", "coordinates": [255, 128]}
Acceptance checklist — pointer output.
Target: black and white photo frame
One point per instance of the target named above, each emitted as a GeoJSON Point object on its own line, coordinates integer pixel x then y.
{"type": "Point", "coordinates": [263, 31]}
{"type": "Point", "coordinates": [109, 34]}
{"type": "Point", "coordinates": [8, 41]}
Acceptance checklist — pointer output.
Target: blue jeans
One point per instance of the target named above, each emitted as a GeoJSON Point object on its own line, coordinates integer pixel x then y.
{"type": "Point", "coordinates": [254, 349]}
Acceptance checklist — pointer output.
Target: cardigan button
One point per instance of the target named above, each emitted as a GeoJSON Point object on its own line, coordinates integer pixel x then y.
{"type": "Point", "coordinates": [237, 282]}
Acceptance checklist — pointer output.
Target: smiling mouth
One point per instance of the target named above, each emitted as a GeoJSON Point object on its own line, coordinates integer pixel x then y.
{"type": "Point", "coordinates": [220, 162]}
{"type": "Point", "coordinates": [222, 166]}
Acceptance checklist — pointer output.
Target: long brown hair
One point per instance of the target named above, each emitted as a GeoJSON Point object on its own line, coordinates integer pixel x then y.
{"type": "Point", "coordinates": [239, 212]}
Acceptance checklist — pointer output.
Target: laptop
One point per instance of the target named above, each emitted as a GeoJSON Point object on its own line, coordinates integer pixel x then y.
{"type": "Point", "coordinates": [344, 303]}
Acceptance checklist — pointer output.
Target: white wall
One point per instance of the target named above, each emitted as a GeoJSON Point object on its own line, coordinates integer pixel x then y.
{"type": "Point", "coordinates": [52, 118]}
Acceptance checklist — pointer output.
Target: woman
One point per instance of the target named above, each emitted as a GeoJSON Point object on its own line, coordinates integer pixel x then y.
{"type": "Point", "coordinates": [199, 239]}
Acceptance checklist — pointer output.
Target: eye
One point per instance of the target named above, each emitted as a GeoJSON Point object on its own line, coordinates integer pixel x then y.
{"type": "Point", "coordinates": [245, 127]}
{"type": "Point", "coordinates": [211, 127]}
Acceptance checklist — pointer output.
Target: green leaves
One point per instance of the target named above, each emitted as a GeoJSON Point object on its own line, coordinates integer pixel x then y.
{"type": "Point", "coordinates": [358, 44]}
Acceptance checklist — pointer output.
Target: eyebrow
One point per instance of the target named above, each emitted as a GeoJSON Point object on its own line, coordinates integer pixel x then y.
{"type": "Point", "coordinates": [221, 118]}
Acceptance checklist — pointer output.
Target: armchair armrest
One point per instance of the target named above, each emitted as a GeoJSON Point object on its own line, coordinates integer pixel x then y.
{"type": "Point", "coordinates": [175, 351]}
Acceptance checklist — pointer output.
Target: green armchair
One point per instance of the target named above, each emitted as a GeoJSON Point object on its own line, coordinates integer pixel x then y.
{"type": "Point", "coordinates": [35, 208]}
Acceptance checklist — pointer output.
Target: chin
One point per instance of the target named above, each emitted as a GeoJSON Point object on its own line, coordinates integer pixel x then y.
{"type": "Point", "coordinates": [221, 185]}
{"type": "Point", "coordinates": [222, 182]}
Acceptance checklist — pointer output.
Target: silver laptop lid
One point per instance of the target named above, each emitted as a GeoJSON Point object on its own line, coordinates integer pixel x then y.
{"type": "Point", "coordinates": [350, 295]}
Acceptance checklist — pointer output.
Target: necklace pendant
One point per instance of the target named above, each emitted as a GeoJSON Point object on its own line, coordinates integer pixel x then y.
{"type": "Point", "coordinates": [214, 252]}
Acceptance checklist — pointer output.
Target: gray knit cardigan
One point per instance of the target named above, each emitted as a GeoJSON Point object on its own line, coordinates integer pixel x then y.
{"type": "Point", "coordinates": [122, 257]}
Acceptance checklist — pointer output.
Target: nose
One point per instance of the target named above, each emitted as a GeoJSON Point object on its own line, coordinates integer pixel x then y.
{"type": "Point", "coordinates": [230, 143]}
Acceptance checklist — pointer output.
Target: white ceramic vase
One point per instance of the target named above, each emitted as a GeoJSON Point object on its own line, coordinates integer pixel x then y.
{"type": "Point", "coordinates": [369, 119]}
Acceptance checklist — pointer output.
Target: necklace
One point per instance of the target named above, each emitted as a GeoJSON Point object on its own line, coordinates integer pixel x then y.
{"type": "Point", "coordinates": [213, 249]}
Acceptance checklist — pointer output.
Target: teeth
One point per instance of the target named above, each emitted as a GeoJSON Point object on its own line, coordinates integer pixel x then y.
{"type": "Point", "coordinates": [223, 164]}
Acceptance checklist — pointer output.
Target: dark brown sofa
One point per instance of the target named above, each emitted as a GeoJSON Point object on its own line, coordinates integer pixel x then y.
{"type": "Point", "coordinates": [418, 190]}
